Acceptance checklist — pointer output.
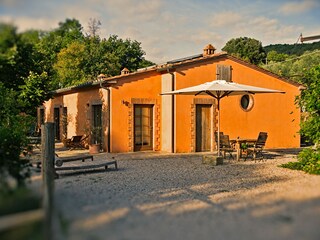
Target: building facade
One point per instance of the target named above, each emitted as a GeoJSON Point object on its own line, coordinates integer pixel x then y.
{"type": "Point", "coordinates": [129, 113]}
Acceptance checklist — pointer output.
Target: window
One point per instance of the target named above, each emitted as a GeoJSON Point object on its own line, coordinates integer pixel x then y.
{"type": "Point", "coordinates": [246, 102]}
{"type": "Point", "coordinates": [224, 72]}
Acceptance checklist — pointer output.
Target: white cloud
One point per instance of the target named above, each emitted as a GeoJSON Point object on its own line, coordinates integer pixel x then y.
{"type": "Point", "coordinates": [298, 7]}
{"type": "Point", "coordinates": [270, 31]}
{"type": "Point", "coordinates": [171, 29]}
{"type": "Point", "coordinates": [27, 23]}
{"type": "Point", "coordinates": [10, 3]}
{"type": "Point", "coordinates": [133, 10]}
{"type": "Point", "coordinates": [225, 19]}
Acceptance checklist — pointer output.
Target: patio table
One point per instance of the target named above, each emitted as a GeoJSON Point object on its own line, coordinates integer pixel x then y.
{"type": "Point", "coordinates": [238, 143]}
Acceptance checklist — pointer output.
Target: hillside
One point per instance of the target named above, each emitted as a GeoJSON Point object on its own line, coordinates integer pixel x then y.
{"type": "Point", "coordinates": [293, 49]}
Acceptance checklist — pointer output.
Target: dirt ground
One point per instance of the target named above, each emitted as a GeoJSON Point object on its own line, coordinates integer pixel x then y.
{"type": "Point", "coordinates": [176, 196]}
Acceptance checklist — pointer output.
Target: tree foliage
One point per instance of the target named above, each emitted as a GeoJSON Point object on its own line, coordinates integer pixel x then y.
{"type": "Point", "coordinates": [293, 49]}
{"type": "Point", "coordinates": [34, 92]}
{"type": "Point", "coordinates": [71, 58]}
{"type": "Point", "coordinates": [274, 56]}
{"type": "Point", "coordinates": [65, 56]}
{"type": "Point", "coordinates": [8, 56]}
{"type": "Point", "coordinates": [83, 61]}
{"type": "Point", "coordinates": [294, 67]}
{"type": "Point", "coordinates": [20, 62]}
{"type": "Point", "coordinates": [248, 49]}
{"type": "Point", "coordinates": [13, 129]}
{"type": "Point", "coordinates": [310, 102]}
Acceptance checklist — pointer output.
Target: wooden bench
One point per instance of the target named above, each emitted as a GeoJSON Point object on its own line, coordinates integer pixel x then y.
{"type": "Point", "coordinates": [104, 165]}
{"type": "Point", "coordinates": [59, 161]}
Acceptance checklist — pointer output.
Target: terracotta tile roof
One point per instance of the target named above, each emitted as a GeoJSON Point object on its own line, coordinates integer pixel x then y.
{"type": "Point", "coordinates": [171, 65]}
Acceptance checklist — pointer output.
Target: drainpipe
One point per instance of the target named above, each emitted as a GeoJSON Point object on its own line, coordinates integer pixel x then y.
{"type": "Point", "coordinates": [108, 115]}
{"type": "Point", "coordinates": [172, 112]}
{"type": "Point", "coordinates": [108, 119]}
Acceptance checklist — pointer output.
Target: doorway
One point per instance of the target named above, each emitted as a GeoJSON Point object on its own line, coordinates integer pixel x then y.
{"type": "Point", "coordinates": [143, 127]}
{"type": "Point", "coordinates": [203, 127]}
{"type": "Point", "coordinates": [96, 124]}
{"type": "Point", "coordinates": [65, 122]}
{"type": "Point", "coordinates": [56, 116]}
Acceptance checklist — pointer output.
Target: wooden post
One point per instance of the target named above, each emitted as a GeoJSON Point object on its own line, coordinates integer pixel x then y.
{"type": "Point", "coordinates": [48, 174]}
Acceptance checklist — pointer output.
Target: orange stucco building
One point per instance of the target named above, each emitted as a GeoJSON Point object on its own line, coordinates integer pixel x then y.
{"type": "Point", "coordinates": [131, 115]}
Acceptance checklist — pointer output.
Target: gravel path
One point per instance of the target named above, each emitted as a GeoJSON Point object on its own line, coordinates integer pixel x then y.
{"type": "Point", "coordinates": [178, 197]}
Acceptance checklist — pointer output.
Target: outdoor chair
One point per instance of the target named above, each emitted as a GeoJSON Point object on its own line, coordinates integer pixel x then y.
{"type": "Point", "coordinates": [76, 142]}
{"type": "Point", "coordinates": [216, 138]}
{"type": "Point", "coordinates": [226, 146]}
{"type": "Point", "coordinates": [256, 150]}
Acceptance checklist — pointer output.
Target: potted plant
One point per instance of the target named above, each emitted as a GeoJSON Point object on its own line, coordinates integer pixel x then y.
{"type": "Point", "coordinates": [95, 140]}
{"type": "Point", "coordinates": [65, 140]}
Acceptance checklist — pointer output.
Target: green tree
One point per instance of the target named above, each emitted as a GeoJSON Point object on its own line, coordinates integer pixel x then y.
{"type": "Point", "coordinates": [13, 129]}
{"type": "Point", "coordinates": [69, 65]}
{"type": "Point", "coordinates": [303, 64]}
{"type": "Point", "coordinates": [52, 42]}
{"type": "Point", "coordinates": [274, 56]}
{"type": "Point", "coordinates": [295, 67]}
{"type": "Point", "coordinates": [65, 55]}
{"type": "Point", "coordinates": [18, 56]}
{"type": "Point", "coordinates": [310, 102]}
{"type": "Point", "coordinates": [293, 49]}
{"type": "Point", "coordinates": [8, 54]}
{"type": "Point", "coordinates": [248, 49]}
{"type": "Point", "coordinates": [34, 92]}
{"type": "Point", "coordinates": [83, 61]}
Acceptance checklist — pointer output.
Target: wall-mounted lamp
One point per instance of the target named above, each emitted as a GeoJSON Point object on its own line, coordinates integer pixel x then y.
{"type": "Point", "coordinates": [125, 102]}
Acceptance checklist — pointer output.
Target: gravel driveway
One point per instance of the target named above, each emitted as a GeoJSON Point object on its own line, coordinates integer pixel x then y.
{"type": "Point", "coordinates": [178, 197]}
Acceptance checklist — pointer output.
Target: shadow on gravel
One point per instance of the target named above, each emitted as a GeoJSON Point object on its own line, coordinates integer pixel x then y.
{"type": "Point", "coordinates": [87, 172]}
{"type": "Point", "coordinates": [184, 199]}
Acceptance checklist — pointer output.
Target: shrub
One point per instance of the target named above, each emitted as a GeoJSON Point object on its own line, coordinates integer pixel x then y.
{"type": "Point", "coordinates": [308, 161]}
{"type": "Point", "coordinates": [14, 127]}
{"type": "Point", "coordinates": [12, 168]}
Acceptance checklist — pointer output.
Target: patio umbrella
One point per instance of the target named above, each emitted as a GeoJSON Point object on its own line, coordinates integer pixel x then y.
{"type": "Point", "coordinates": [219, 89]}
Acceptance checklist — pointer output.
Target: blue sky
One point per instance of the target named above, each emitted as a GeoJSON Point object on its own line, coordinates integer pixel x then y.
{"type": "Point", "coordinates": [170, 29]}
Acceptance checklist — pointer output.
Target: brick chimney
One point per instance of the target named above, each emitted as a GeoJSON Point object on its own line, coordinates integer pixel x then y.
{"type": "Point", "coordinates": [125, 71]}
{"type": "Point", "coordinates": [101, 77]}
{"type": "Point", "coordinates": [208, 50]}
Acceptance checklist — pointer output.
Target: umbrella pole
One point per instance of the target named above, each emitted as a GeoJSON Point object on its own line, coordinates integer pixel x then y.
{"type": "Point", "coordinates": [218, 106]}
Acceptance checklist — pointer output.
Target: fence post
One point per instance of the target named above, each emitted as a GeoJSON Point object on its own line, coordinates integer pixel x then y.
{"type": "Point", "coordinates": [48, 174]}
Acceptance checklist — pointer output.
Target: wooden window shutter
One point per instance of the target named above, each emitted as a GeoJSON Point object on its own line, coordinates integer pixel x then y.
{"type": "Point", "coordinates": [224, 72]}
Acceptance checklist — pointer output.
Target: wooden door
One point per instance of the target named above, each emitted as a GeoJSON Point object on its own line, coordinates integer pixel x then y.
{"type": "Point", "coordinates": [96, 131]}
{"type": "Point", "coordinates": [203, 128]}
{"type": "Point", "coordinates": [143, 127]}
